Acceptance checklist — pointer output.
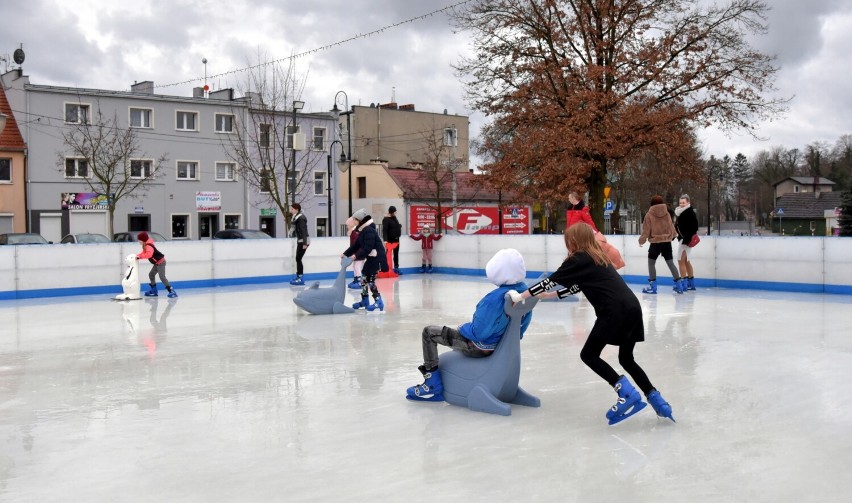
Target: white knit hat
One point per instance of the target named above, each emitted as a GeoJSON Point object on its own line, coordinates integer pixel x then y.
{"type": "Point", "coordinates": [506, 267]}
{"type": "Point", "coordinates": [359, 214]}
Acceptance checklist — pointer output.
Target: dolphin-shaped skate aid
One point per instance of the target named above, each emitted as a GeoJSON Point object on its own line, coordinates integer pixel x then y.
{"type": "Point", "coordinates": [316, 300]}
{"type": "Point", "coordinates": [490, 384]}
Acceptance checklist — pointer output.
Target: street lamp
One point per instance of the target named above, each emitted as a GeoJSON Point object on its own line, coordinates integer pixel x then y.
{"type": "Point", "coordinates": [348, 114]}
{"type": "Point", "coordinates": [342, 159]}
{"type": "Point", "coordinates": [297, 105]}
{"type": "Point", "coordinates": [451, 139]}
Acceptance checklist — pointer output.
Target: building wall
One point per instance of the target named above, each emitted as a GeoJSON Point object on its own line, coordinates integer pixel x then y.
{"type": "Point", "coordinates": [397, 136]}
{"type": "Point", "coordinates": [12, 202]}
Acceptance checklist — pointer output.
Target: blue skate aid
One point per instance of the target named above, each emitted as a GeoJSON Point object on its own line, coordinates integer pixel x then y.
{"type": "Point", "coordinates": [629, 402]}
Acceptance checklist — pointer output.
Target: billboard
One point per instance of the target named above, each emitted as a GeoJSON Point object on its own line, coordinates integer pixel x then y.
{"type": "Point", "coordinates": [84, 201]}
{"type": "Point", "coordinates": [472, 219]}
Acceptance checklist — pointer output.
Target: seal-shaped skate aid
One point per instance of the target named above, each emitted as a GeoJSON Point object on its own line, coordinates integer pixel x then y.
{"type": "Point", "coordinates": [316, 300]}
{"type": "Point", "coordinates": [490, 384]}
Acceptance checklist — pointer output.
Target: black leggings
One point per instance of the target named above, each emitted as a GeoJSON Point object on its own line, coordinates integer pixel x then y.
{"type": "Point", "coordinates": [300, 252]}
{"type": "Point", "coordinates": [591, 356]}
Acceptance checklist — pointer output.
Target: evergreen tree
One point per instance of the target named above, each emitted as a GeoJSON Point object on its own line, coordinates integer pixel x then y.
{"type": "Point", "coordinates": [845, 218]}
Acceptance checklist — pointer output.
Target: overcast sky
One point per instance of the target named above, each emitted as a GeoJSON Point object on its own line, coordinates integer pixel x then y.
{"type": "Point", "coordinates": [105, 44]}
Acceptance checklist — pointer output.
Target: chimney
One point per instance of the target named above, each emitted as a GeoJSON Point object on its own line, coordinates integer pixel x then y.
{"type": "Point", "coordinates": [409, 107]}
{"type": "Point", "coordinates": [197, 92]}
{"type": "Point", "coordinates": [146, 87]}
{"type": "Point", "coordinates": [390, 106]}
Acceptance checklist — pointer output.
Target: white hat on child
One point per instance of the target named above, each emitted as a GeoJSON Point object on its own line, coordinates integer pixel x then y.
{"type": "Point", "coordinates": [506, 267]}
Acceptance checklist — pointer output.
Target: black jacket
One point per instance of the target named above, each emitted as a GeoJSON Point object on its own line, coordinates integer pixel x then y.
{"type": "Point", "coordinates": [368, 240]}
{"type": "Point", "coordinates": [391, 229]}
{"type": "Point", "coordinates": [686, 225]}
{"type": "Point", "coordinates": [300, 226]}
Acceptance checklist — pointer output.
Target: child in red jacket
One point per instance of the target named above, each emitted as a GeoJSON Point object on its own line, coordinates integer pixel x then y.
{"type": "Point", "coordinates": [150, 252]}
{"type": "Point", "coordinates": [426, 239]}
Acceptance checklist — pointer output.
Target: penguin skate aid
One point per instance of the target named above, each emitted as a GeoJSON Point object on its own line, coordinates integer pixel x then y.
{"type": "Point", "coordinates": [588, 269]}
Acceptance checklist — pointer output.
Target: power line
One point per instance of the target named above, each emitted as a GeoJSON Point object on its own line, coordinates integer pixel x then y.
{"type": "Point", "coordinates": [319, 49]}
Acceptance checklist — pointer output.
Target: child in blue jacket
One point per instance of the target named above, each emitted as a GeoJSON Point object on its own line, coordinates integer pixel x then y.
{"type": "Point", "coordinates": [479, 337]}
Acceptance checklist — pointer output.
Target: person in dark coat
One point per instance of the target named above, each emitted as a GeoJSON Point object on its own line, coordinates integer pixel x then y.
{"type": "Point", "coordinates": [686, 224]}
{"type": "Point", "coordinates": [619, 319]}
{"type": "Point", "coordinates": [300, 231]}
{"type": "Point", "coordinates": [391, 232]}
{"type": "Point", "coordinates": [368, 247]}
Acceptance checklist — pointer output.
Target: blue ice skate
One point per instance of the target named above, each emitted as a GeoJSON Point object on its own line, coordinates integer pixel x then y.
{"type": "Point", "coordinates": [629, 402]}
{"type": "Point", "coordinates": [661, 407]}
{"type": "Point", "coordinates": [432, 389]}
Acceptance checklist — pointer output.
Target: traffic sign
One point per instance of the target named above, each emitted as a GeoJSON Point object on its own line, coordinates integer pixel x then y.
{"type": "Point", "coordinates": [779, 211]}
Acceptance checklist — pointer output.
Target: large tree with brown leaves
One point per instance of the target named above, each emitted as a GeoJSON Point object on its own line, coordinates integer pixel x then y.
{"type": "Point", "coordinates": [574, 87]}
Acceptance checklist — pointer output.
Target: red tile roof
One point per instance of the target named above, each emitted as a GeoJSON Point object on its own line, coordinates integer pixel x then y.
{"type": "Point", "coordinates": [418, 185]}
{"type": "Point", "coordinates": [10, 137]}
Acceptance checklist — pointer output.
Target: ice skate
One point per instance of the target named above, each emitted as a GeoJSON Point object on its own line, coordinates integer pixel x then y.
{"type": "Point", "coordinates": [661, 407]}
{"type": "Point", "coordinates": [172, 293]}
{"type": "Point", "coordinates": [432, 389]}
{"type": "Point", "coordinates": [651, 288]}
{"type": "Point", "coordinates": [379, 304]}
{"type": "Point", "coordinates": [365, 302]}
{"type": "Point", "coordinates": [152, 292]}
{"type": "Point", "coordinates": [356, 284]}
{"type": "Point", "coordinates": [679, 286]}
{"type": "Point", "coordinates": [690, 283]}
{"type": "Point", "coordinates": [629, 402]}
{"type": "Point", "coordinates": [297, 281]}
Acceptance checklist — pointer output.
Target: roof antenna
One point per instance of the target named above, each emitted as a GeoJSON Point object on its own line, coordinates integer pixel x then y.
{"type": "Point", "coordinates": [206, 87]}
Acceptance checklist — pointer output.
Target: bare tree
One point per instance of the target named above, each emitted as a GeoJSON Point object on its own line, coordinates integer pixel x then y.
{"type": "Point", "coordinates": [438, 185]}
{"type": "Point", "coordinates": [262, 148]}
{"type": "Point", "coordinates": [108, 159]}
{"type": "Point", "coordinates": [580, 84]}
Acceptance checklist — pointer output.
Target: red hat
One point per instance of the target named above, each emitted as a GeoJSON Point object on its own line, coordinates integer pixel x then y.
{"type": "Point", "coordinates": [143, 236]}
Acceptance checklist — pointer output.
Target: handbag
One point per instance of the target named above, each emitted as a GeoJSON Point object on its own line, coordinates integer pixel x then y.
{"type": "Point", "coordinates": [694, 241]}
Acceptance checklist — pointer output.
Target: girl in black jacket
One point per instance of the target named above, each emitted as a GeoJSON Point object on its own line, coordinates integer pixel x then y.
{"type": "Point", "coordinates": [686, 224]}
{"type": "Point", "coordinates": [368, 247]}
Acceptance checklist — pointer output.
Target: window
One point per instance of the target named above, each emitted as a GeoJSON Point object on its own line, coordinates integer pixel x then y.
{"type": "Point", "coordinates": [319, 183]}
{"type": "Point", "coordinates": [186, 121]}
{"type": "Point", "coordinates": [5, 170]}
{"type": "Point", "coordinates": [265, 181]}
{"type": "Point", "coordinates": [224, 123]}
{"type": "Point", "coordinates": [187, 170]}
{"type": "Point", "coordinates": [451, 137]}
{"type": "Point", "coordinates": [362, 187]}
{"type": "Point", "coordinates": [226, 172]}
{"type": "Point", "coordinates": [180, 226]}
{"type": "Point", "coordinates": [232, 221]}
{"type": "Point", "coordinates": [141, 168]}
{"type": "Point", "coordinates": [319, 139]}
{"type": "Point", "coordinates": [264, 135]}
{"type": "Point", "coordinates": [141, 117]}
{"type": "Point", "coordinates": [76, 113]}
{"type": "Point", "coordinates": [76, 168]}
{"type": "Point", "coordinates": [290, 132]}
{"type": "Point", "coordinates": [293, 181]}
{"type": "Point", "coordinates": [322, 227]}
{"type": "Point", "coordinates": [796, 189]}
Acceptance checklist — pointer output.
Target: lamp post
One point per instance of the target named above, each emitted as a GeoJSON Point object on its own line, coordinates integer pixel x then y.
{"type": "Point", "coordinates": [450, 139]}
{"type": "Point", "coordinates": [342, 159]}
{"type": "Point", "coordinates": [348, 114]}
{"type": "Point", "coordinates": [291, 178]}
{"type": "Point", "coordinates": [709, 185]}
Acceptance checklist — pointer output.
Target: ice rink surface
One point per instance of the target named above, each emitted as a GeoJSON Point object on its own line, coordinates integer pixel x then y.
{"type": "Point", "coordinates": [235, 394]}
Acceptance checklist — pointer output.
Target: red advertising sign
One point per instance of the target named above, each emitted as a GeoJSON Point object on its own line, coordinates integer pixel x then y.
{"type": "Point", "coordinates": [473, 219]}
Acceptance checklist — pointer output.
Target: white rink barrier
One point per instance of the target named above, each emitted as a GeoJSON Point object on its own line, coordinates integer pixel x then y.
{"type": "Point", "coordinates": [799, 264]}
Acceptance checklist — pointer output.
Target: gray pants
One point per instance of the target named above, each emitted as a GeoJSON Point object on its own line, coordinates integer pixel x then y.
{"type": "Point", "coordinates": [161, 270]}
{"type": "Point", "coordinates": [450, 337]}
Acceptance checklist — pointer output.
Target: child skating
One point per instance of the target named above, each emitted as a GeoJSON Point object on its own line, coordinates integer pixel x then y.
{"type": "Point", "coordinates": [150, 252]}
{"type": "Point", "coordinates": [619, 320]}
{"type": "Point", "coordinates": [477, 338]}
{"type": "Point", "coordinates": [426, 238]}
{"type": "Point", "coordinates": [368, 247]}
{"type": "Point", "coordinates": [357, 265]}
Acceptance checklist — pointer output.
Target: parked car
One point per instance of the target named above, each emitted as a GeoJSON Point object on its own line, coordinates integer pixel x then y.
{"type": "Point", "coordinates": [130, 236]}
{"type": "Point", "coordinates": [85, 238]}
{"type": "Point", "coordinates": [22, 238]}
{"type": "Point", "coordinates": [241, 234]}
